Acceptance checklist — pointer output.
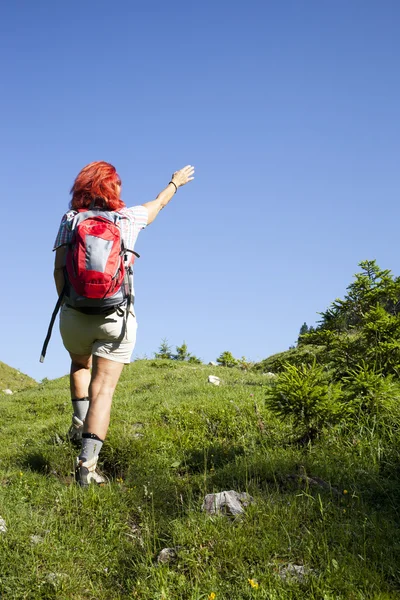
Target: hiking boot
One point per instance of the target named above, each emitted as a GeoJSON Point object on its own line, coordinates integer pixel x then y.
{"type": "Point", "coordinates": [87, 473]}
{"type": "Point", "coordinates": [75, 431]}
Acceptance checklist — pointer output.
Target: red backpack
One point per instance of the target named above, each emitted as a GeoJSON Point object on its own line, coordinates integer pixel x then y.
{"type": "Point", "coordinates": [97, 270]}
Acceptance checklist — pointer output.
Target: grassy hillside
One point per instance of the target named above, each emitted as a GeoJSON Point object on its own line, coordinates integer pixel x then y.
{"type": "Point", "coordinates": [174, 438]}
{"type": "Point", "coordinates": [13, 379]}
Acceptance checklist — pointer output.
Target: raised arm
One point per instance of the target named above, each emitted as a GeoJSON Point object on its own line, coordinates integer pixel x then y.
{"type": "Point", "coordinates": [179, 178]}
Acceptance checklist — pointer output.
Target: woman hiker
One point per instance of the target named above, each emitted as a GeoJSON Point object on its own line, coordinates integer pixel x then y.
{"type": "Point", "coordinates": [99, 340]}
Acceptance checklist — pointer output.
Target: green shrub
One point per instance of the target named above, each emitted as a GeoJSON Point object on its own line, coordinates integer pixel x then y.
{"type": "Point", "coordinates": [194, 360]}
{"type": "Point", "coordinates": [304, 393]}
{"type": "Point", "coordinates": [368, 392]}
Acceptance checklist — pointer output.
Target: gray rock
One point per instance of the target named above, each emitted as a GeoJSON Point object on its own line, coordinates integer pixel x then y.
{"type": "Point", "coordinates": [36, 539]}
{"type": "Point", "coordinates": [295, 572]}
{"type": "Point", "coordinates": [56, 578]}
{"type": "Point", "coordinates": [212, 364]}
{"type": "Point", "coordinates": [214, 380]}
{"type": "Point", "coordinates": [167, 555]}
{"type": "Point", "coordinates": [137, 429]}
{"type": "Point", "coordinates": [228, 503]}
{"type": "Point", "coordinates": [8, 392]}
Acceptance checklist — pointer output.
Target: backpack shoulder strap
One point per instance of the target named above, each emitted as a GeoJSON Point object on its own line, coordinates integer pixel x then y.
{"type": "Point", "coordinates": [50, 329]}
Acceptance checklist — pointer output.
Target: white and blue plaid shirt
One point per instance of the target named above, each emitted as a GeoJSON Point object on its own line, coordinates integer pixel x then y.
{"type": "Point", "coordinates": [136, 220]}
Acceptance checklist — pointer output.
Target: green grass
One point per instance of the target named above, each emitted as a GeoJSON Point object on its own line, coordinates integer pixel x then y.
{"type": "Point", "coordinates": [174, 438]}
{"type": "Point", "coordinates": [13, 379]}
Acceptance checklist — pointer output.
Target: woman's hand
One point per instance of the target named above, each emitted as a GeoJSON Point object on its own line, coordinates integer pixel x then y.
{"type": "Point", "coordinates": [179, 178]}
{"type": "Point", "coordinates": [183, 176]}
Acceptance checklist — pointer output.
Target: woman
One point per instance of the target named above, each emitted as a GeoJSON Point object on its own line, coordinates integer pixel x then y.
{"type": "Point", "coordinates": [103, 343]}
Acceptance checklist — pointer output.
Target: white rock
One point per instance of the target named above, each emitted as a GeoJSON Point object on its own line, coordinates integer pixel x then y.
{"type": "Point", "coordinates": [3, 526]}
{"type": "Point", "coordinates": [212, 364]}
{"type": "Point", "coordinates": [8, 392]}
{"type": "Point", "coordinates": [167, 555]}
{"type": "Point", "coordinates": [36, 539]}
{"type": "Point", "coordinates": [214, 380]}
{"type": "Point", "coordinates": [231, 503]}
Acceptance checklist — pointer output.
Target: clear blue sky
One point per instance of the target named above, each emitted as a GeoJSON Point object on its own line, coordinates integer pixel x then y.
{"type": "Point", "coordinates": [290, 113]}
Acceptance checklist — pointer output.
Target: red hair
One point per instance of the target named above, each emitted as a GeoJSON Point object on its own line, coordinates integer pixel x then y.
{"type": "Point", "coordinates": [97, 183]}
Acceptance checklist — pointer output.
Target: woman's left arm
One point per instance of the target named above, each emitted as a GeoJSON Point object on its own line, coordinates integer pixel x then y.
{"type": "Point", "coordinates": [59, 263]}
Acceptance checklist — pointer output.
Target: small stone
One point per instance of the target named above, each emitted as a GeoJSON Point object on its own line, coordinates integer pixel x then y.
{"type": "Point", "coordinates": [8, 392]}
{"type": "Point", "coordinates": [167, 555]}
{"type": "Point", "coordinates": [214, 380]}
{"type": "Point", "coordinates": [36, 539]}
{"type": "Point", "coordinates": [3, 526]}
{"type": "Point", "coordinates": [229, 503]}
{"type": "Point", "coordinates": [294, 572]}
{"type": "Point", "coordinates": [55, 578]}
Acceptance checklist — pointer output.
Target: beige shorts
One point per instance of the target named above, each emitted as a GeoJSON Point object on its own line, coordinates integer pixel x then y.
{"type": "Point", "coordinates": [101, 335]}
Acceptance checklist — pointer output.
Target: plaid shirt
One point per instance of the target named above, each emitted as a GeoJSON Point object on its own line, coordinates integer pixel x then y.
{"type": "Point", "coordinates": [136, 220]}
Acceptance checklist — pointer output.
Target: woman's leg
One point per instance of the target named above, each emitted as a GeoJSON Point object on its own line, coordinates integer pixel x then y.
{"type": "Point", "coordinates": [80, 375]}
{"type": "Point", "coordinates": [105, 376]}
{"type": "Point", "coordinates": [79, 385]}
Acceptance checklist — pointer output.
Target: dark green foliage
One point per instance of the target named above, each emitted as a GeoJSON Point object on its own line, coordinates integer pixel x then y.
{"type": "Point", "coordinates": [363, 326]}
{"type": "Point", "coordinates": [344, 370]}
{"type": "Point", "coordinates": [305, 394]}
{"type": "Point", "coordinates": [303, 330]}
{"type": "Point", "coordinates": [369, 393]}
{"type": "Point", "coordinates": [226, 359]}
{"type": "Point", "coordinates": [372, 287]}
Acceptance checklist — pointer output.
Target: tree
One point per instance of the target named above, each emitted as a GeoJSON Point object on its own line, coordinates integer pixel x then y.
{"type": "Point", "coordinates": [182, 352]}
{"type": "Point", "coordinates": [365, 325]}
{"type": "Point", "coordinates": [164, 350]}
{"type": "Point", "coordinates": [303, 330]}
{"type": "Point", "coordinates": [226, 359]}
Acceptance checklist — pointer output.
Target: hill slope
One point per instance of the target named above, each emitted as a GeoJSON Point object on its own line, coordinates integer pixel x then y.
{"type": "Point", "coordinates": [173, 439]}
{"type": "Point", "coordinates": [13, 379]}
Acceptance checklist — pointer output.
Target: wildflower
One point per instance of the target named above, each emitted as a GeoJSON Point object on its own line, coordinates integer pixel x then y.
{"type": "Point", "coordinates": [212, 596]}
{"type": "Point", "coordinates": [344, 510]}
{"type": "Point", "coordinates": [120, 480]}
{"type": "Point", "coordinates": [21, 474]}
{"type": "Point", "coordinates": [253, 583]}
{"type": "Point", "coordinates": [345, 492]}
